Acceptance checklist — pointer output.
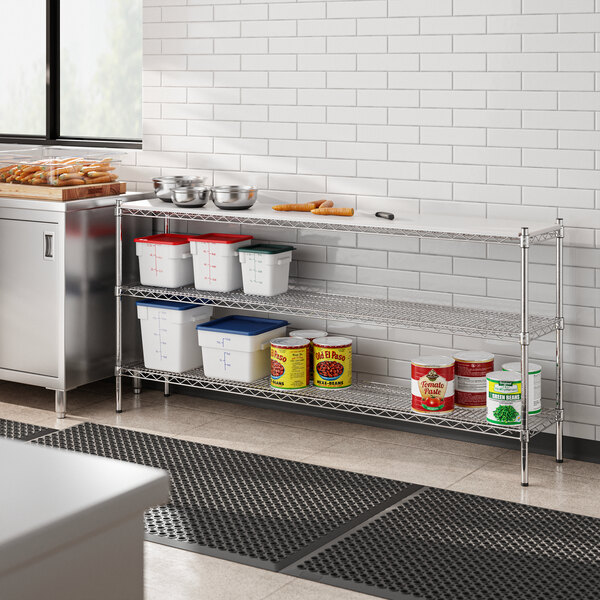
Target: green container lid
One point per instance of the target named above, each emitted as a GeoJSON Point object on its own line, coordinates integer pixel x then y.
{"type": "Point", "coordinates": [266, 248]}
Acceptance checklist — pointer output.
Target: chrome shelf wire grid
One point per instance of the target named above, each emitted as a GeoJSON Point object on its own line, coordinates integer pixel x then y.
{"type": "Point", "coordinates": [305, 302]}
{"type": "Point", "coordinates": [128, 209]}
{"type": "Point", "coordinates": [371, 399]}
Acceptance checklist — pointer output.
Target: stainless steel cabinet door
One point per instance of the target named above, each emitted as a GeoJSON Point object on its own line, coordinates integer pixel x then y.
{"type": "Point", "coordinates": [29, 299]}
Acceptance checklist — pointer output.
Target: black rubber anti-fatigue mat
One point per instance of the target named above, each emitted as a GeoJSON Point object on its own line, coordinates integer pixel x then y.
{"type": "Point", "coordinates": [22, 431]}
{"type": "Point", "coordinates": [254, 509]}
{"type": "Point", "coordinates": [444, 545]}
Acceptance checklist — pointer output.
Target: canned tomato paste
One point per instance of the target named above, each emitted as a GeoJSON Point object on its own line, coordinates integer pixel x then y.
{"type": "Point", "coordinates": [289, 363]}
{"type": "Point", "coordinates": [310, 335]}
{"type": "Point", "coordinates": [504, 397]}
{"type": "Point", "coordinates": [470, 369]}
{"type": "Point", "coordinates": [432, 384]}
{"type": "Point", "coordinates": [332, 362]}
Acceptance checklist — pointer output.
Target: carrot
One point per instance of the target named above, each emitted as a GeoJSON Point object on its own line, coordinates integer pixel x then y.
{"type": "Point", "coordinates": [65, 176]}
{"type": "Point", "coordinates": [96, 173]}
{"type": "Point", "coordinates": [59, 183]}
{"type": "Point", "coordinates": [104, 179]}
{"type": "Point", "coordinates": [296, 207]}
{"type": "Point", "coordinates": [318, 203]}
{"type": "Point", "coordinates": [340, 212]}
{"type": "Point", "coordinates": [326, 204]}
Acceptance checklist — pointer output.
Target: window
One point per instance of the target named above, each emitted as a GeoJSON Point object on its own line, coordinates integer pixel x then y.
{"type": "Point", "coordinates": [76, 76]}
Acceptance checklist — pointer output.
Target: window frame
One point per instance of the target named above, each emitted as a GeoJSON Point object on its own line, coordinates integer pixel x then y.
{"type": "Point", "coordinates": [53, 137]}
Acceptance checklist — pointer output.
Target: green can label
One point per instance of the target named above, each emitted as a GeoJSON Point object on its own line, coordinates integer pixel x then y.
{"type": "Point", "coordinates": [504, 402]}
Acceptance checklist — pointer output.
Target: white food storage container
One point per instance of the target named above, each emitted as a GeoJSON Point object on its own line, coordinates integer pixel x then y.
{"type": "Point", "coordinates": [265, 269]}
{"type": "Point", "coordinates": [215, 258]}
{"type": "Point", "coordinates": [169, 334]}
{"type": "Point", "coordinates": [237, 348]}
{"type": "Point", "coordinates": [165, 260]}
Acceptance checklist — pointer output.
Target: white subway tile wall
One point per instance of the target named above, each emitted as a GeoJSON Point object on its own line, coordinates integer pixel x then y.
{"type": "Point", "coordinates": [470, 107]}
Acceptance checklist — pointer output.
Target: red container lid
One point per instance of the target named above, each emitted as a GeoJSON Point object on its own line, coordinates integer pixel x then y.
{"type": "Point", "coordinates": [170, 239]}
{"type": "Point", "coordinates": [219, 238]}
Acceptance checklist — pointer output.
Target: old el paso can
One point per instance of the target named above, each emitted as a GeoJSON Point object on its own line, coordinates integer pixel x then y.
{"type": "Point", "coordinates": [432, 384]}
{"type": "Point", "coordinates": [289, 363]}
{"type": "Point", "coordinates": [332, 362]}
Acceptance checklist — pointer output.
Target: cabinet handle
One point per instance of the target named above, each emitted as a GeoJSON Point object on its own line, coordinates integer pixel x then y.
{"type": "Point", "coordinates": [49, 246]}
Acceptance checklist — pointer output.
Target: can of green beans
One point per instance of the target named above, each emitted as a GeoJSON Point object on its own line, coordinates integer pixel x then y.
{"type": "Point", "coordinates": [503, 398]}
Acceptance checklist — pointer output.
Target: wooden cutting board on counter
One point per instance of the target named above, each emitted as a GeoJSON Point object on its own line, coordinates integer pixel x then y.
{"type": "Point", "coordinates": [62, 194]}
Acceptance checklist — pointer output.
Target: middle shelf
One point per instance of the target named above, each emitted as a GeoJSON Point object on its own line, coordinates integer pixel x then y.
{"type": "Point", "coordinates": [306, 302]}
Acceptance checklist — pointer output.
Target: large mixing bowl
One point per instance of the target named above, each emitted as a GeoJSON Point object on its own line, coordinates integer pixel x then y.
{"type": "Point", "coordinates": [190, 195]}
{"type": "Point", "coordinates": [234, 197]}
{"type": "Point", "coordinates": [164, 185]}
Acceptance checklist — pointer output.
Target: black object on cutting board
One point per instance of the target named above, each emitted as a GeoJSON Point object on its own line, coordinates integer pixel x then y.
{"type": "Point", "coordinates": [385, 215]}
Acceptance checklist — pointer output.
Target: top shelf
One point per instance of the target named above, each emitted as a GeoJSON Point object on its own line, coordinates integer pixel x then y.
{"type": "Point", "coordinates": [423, 226]}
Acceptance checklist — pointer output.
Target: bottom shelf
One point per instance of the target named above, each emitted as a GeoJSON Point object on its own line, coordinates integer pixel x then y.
{"type": "Point", "coordinates": [372, 399]}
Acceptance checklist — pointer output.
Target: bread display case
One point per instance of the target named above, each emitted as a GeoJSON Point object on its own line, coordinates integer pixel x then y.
{"type": "Point", "coordinates": [60, 173]}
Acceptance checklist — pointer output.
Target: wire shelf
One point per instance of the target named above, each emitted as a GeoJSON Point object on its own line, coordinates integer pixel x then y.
{"type": "Point", "coordinates": [371, 399]}
{"type": "Point", "coordinates": [306, 302]}
{"type": "Point", "coordinates": [263, 215]}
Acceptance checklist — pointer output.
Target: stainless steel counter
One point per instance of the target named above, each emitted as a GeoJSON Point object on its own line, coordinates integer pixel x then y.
{"type": "Point", "coordinates": [57, 277]}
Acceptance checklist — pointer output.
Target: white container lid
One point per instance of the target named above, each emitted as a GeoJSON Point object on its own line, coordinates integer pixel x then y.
{"type": "Point", "coordinates": [332, 341]}
{"type": "Point", "coordinates": [309, 334]}
{"type": "Point", "coordinates": [508, 376]}
{"type": "Point", "coordinates": [473, 356]}
{"type": "Point", "coordinates": [438, 360]}
{"type": "Point", "coordinates": [290, 342]}
{"type": "Point", "coordinates": [534, 368]}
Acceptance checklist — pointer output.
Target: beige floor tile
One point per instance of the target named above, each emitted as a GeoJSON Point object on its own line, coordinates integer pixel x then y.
{"type": "Point", "coordinates": [547, 489]}
{"type": "Point", "coordinates": [171, 574]}
{"type": "Point", "coordinates": [263, 437]}
{"type": "Point", "coordinates": [204, 404]}
{"type": "Point", "coordinates": [415, 465]}
{"type": "Point", "coordinates": [156, 418]}
{"type": "Point", "coordinates": [548, 463]}
{"type": "Point", "coordinates": [300, 589]}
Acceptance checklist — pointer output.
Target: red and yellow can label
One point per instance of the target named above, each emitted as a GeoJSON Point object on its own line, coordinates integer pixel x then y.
{"type": "Point", "coordinates": [332, 366]}
{"type": "Point", "coordinates": [289, 367]}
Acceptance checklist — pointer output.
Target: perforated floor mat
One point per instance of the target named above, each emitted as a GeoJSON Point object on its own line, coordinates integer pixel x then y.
{"type": "Point", "coordinates": [444, 545]}
{"type": "Point", "coordinates": [377, 536]}
{"type": "Point", "coordinates": [16, 430]}
{"type": "Point", "coordinates": [255, 509]}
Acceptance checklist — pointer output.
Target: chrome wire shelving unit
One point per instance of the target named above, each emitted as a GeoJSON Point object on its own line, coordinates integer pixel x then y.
{"type": "Point", "coordinates": [365, 398]}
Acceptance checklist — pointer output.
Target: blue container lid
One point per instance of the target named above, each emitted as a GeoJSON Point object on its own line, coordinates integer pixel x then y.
{"type": "Point", "coordinates": [167, 304]}
{"type": "Point", "coordinates": [241, 325]}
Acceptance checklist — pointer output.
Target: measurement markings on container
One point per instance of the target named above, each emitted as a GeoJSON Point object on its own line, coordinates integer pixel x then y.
{"type": "Point", "coordinates": [225, 360]}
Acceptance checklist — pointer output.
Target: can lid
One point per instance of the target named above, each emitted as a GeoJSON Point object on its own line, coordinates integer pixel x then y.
{"type": "Point", "coordinates": [332, 341]}
{"type": "Point", "coordinates": [309, 334]}
{"type": "Point", "coordinates": [534, 368]}
{"type": "Point", "coordinates": [508, 376]}
{"type": "Point", "coordinates": [473, 356]}
{"type": "Point", "coordinates": [436, 360]}
{"type": "Point", "coordinates": [290, 342]}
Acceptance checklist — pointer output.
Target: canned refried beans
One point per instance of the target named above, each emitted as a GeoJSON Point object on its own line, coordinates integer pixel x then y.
{"type": "Point", "coordinates": [332, 362]}
{"type": "Point", "coordinates": [432, 384]}
{"type": "Point", "coordinates": [470, 369]}
{"type": "Point", "coordinates": [289, 363]}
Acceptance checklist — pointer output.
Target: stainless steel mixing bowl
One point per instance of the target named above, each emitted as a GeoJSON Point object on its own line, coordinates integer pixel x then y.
{"type": "Point", "coordinates": [196, 196]}
{"type": "Point", "coordinates": [164, 185]}
{"type": "Point", "coordinates": [234, 197]}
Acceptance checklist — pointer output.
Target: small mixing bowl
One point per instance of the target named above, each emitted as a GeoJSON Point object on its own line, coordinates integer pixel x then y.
{"type": "Point", "coordinates": [234, 197]}
{"type": "Point", "coordinates": [164, 185]}
{"type": "Point", "coordinates": [197, 195]}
